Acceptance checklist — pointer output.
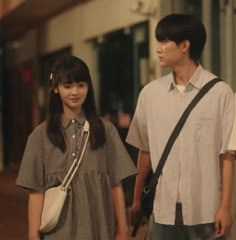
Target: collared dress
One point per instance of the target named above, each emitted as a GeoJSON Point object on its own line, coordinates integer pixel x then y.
{"type": "Point", "coordinates": [88, 212]}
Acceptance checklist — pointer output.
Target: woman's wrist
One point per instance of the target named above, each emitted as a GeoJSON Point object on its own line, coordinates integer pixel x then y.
{"type": "Point", "coordinates": [122, 229]}
{"type": "Point", "coordinates": [34, 236]}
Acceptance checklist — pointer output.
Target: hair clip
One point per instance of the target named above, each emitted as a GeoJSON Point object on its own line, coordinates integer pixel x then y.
{"type": "Point", "coordinates": [51, 77]}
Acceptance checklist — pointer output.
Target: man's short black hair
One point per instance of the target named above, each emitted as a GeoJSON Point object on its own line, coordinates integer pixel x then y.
{"type": "Point", "coordinates": [180, 27]}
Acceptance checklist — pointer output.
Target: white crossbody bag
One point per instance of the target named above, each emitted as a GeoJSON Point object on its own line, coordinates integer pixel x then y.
{"type": "Point", "coordinates": [54, 198]}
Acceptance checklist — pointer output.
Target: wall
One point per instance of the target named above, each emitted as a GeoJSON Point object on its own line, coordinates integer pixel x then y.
{"type": "Point", "coordinates": [8, 5]}
{"type": "Point", "coordinates": [1, 134]}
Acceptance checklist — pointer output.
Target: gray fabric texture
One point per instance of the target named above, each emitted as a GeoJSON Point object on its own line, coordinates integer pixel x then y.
{"type": "Point", "coordinates": [88, 213]}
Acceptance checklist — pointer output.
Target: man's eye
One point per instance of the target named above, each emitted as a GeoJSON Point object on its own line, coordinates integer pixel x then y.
{"type": "Point", "coordinates": [164, 41]}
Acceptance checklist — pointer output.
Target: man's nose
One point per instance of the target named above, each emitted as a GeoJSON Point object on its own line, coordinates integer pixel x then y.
{"type": "Point", "coordinates": [158, 49]}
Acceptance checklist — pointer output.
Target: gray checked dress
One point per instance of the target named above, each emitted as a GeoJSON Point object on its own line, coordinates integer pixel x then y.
{"type": "Point", "coordinates": [88, 213]}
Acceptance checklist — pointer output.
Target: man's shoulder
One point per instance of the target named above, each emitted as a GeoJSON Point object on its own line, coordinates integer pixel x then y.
{"type": "Point", "coordinates": [222, 87]}
{"type": "Point", "coordinates": [157, 84]}
{"type": "Point", "coordinates": [209, 75]}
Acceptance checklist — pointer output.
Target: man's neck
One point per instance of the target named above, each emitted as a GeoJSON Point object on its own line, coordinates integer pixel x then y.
{"type": "Point", "coordinates": [184, 73]}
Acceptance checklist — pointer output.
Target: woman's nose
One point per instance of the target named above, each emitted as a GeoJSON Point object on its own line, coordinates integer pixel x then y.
{"type": "Point", "coordinates": [75, 89]}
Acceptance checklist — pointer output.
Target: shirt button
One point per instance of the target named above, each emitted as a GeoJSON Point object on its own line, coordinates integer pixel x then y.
{"type": "Point", "coordinates": [73, 136]}
{"type": "Point", "coordinates": [73, 154]}
{"type": "Point", "coordinates": [73, 120]}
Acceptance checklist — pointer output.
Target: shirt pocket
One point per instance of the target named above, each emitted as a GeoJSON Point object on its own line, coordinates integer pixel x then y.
{"type": "Point", "coordinates": [206, 129]}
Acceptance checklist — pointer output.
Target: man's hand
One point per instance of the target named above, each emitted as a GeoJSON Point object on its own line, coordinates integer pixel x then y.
{"type": "Point", "coordinates": [134, 212]}
{"type": "Point", "coordinates": [223, 222]}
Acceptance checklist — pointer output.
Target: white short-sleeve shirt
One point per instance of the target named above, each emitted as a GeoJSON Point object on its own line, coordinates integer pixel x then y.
{"type": "Point", "coordinates": [203, 138]}
{"type": "Point", "coordinates": [232, 141]}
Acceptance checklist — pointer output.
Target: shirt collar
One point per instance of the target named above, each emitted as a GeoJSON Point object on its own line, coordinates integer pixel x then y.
{"type": "Point", "coordinates": [195, 81]}
{"type": "Point", "coordinates": [80, 119]}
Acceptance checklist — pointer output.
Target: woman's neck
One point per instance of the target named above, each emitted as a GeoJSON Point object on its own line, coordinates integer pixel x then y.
{"type": "Point", "coordinates": [71, 114]}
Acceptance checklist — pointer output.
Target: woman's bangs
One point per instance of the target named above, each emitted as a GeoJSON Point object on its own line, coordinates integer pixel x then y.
{"type": "Point", "coordinates": [72, 75]}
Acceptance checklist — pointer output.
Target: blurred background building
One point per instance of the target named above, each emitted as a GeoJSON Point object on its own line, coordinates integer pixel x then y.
{"type": "Point", "coordinates": [114, 37]}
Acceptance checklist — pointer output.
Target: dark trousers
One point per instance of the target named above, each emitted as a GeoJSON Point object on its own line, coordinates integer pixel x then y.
{"type": "Point", "coordinates": [179, 231]}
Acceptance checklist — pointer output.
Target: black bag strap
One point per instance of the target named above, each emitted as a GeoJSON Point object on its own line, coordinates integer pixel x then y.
{"type": "Point", "coordinates": [154, 180]}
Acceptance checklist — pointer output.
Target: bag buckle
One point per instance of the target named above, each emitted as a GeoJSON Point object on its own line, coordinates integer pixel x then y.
{"type": "Point", "coordinates": [64, 189]}
{"type": "Point", "coordinates": [146, 189]}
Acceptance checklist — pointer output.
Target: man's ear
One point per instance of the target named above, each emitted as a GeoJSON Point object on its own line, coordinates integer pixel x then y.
{"type": "Point", "coordinates": [185, 45]}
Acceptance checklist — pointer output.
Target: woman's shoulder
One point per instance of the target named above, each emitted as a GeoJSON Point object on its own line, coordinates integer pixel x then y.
{"type": "Point", "coordinates": [109, 126]}
{"type": "Point", "coordinates": [39, 131]}
{"type": "Point", "coordinates": [107, 123]}
{"type": "Point", "coordinates": [36, 138]}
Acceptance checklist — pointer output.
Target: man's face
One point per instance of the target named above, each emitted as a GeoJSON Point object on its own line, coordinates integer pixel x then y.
{"type": "Point", "coordinates": [170, 54]}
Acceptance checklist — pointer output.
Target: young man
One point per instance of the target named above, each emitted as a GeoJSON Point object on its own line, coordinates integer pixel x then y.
{"type": "Point", "coordinates": [193, 195]}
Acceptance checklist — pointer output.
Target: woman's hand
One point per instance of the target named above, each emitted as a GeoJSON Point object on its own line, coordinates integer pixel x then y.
{"type": "Point", "coordinates": [122, 235]}
{"type": "Point", "coordinates": [34, 237]}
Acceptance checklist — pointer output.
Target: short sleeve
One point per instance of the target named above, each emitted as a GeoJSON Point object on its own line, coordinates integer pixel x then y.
{"type": "Point", "coordinates": [31, 172]}
{"type": "Point", "coordinates": [232, 142]}
{"type": "Point", "coordinates": [120, 164]}
{"type": "Point", "coordinates": [137, 135]}
{"type": "Point", "coordinates": [227, 122]}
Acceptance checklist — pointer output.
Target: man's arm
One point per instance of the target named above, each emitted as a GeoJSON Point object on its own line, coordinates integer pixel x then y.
{"type": "Point", "coordinates": [143, 167]}
{"type": "Point", "coordinates": [224, 214]}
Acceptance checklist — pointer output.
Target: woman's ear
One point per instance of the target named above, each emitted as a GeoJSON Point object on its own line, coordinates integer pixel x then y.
{"type": "Point", "coordinates": [55, 90]}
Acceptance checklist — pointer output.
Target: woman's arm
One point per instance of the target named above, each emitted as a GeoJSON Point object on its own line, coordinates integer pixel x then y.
{"type": "Point", "coordinates": [35, 207]}
{"type": "Point", "coordinates": [120, 212]}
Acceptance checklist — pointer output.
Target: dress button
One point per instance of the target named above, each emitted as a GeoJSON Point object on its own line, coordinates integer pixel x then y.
{"type": "Point", "coordinates": [73, 154]}
{"type": "Point", "coordinates": [73, 136]}
{"type": "Point", "coordinates": [73, 121]}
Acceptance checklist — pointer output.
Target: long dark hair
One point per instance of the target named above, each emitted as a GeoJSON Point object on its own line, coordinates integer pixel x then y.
{"type": "Point", "coordinates": [68, 69]}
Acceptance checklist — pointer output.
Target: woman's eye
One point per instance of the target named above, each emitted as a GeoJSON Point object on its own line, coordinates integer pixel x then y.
{"type": "Point", "coordinates": [66, 85]}
{"type": "Point", "coordinates": [82, 84]}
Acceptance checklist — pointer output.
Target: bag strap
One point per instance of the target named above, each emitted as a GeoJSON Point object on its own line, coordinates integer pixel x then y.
{"type": "Point", "coordinates": [154, 180]}
{"type": "Point", "coordinates": [75, 165]}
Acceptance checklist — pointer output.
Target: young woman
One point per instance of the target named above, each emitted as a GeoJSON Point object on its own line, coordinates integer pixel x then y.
{"type": "Point", "coordinates": [95, 207]}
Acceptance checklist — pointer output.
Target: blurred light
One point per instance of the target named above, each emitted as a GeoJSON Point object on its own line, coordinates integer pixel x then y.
{"type": "Point", "coordinates": [15, 44]}
{"type": "Point", "coordinates": [100, 39]}
{"type": "Point", "coordinates": [127, 31]}
{"type": "Point", "coordinates": [27, 75]}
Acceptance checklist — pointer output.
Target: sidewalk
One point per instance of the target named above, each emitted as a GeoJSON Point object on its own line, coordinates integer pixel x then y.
{"type": "Point", "coordinates": [13, 210]}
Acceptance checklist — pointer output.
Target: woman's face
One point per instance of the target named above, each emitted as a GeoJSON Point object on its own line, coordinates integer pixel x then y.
{"type": "Point", "coordinates": [72, 96]}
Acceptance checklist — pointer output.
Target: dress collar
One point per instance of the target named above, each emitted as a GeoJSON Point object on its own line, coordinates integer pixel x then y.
{"type": "Point", "coordinates": [80, 119]}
